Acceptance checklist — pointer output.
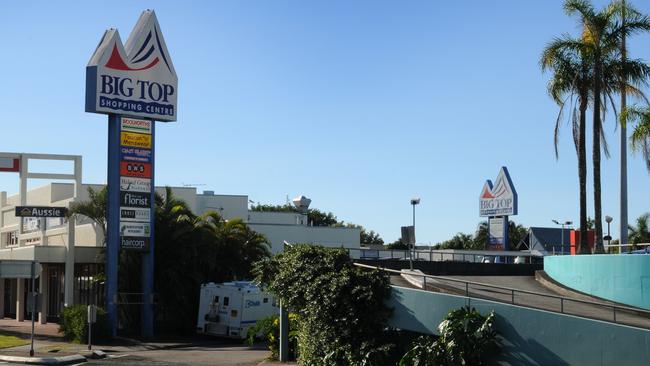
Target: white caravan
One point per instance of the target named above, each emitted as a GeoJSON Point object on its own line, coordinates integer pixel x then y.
{"type": "Point", "coordinates": [228, 309]}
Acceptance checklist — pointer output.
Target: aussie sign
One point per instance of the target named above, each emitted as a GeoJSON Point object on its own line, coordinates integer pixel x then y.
{"type": "Point", "coordinates": [499, 199]}
{"type": "Point", "coordinates": [136, 79]}
{"type": "Point", "coordinates": [40, 211]}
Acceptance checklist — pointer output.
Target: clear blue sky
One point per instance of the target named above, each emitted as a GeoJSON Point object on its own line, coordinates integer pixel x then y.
{"type": "Point", "coordinates": [359, 105]}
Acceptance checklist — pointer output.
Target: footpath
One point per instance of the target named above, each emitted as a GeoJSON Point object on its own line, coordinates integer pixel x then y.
{"type": "Point", "coordinates": [51, 349]}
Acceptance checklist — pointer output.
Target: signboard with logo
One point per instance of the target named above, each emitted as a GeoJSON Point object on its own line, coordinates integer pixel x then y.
{"type": "Point", "coordinates": [132, 169]}
{"type": "Point", "coordinates": [500, 198]}
{"type": "Point", "coordinates": [135, 84]}
{"type": "Point", "coordinates": [139, 229]}
{"type": "Point", "coordinates": [137, 79]}
{"type": "Point", "coordinates": [40, 211]}
{"type": "Point", "coordinates": [497, 233]}
{"type": "Point", "coordinates": [135, 154]}
{"type": "Point", "coordinates": [134, 243]}
{"type": "Point", "coordinates": [135, 184]}
{"type": "Point", "coordinates": [497, 201]}
{"type": "Point", "coordinates": [135, 214]}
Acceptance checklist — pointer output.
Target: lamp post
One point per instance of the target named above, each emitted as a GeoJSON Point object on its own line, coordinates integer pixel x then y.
{"type": "Point", "coordinates": [414, 201]}
{"type": "Point", "coordinates": [609, 220]}
{"type": "Point", "coordinates": [563, 223]}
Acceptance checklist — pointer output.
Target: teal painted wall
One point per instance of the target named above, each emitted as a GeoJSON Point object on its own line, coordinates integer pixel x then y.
{"type": "Point", "coordinates": [529, 336]}
{"type": "Point", "coordinates": [620, 278]}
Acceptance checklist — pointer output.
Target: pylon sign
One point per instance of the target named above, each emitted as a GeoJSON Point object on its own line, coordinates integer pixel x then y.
{"type": "Point", "coordinates": [137, 79]}
{"type": "Point", "coordinates": [136, 85]}
{"type": "Point", "coordinates": [497, 201]}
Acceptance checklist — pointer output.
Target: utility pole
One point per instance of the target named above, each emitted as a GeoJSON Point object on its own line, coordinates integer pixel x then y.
{"type": "Point", "coordinates": [623, 189]}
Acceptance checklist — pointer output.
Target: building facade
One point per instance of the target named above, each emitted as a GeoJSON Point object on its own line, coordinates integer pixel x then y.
{"type": "Point", "coordinates": [71, 253]}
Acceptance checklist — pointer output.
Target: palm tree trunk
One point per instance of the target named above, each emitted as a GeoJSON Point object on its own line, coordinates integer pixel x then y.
{"type": "Point", "coordinates": [582, 173]}
{"type": "Point", "coordinates": [623, 189]}
{"type": "Point", "coordinates": [596, 156]}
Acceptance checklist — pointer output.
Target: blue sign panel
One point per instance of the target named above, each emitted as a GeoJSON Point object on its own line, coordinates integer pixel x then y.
{"type": "Point", "coordinates": [135, 154]}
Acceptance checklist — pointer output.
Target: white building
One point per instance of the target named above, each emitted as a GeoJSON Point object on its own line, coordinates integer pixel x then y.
{"type": "Point", "coordinates": [64, 249]}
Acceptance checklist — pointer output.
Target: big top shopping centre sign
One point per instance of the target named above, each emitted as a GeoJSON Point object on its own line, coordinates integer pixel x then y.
{"type": "Point", "coordinates": [136, 85]}
{"type": "Point", "coordinates": [137, 79]}
{"type": "Point", "coordinates": [498, 201]}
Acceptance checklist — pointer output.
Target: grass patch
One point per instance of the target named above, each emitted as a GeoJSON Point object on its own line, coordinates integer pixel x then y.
{"type": "Point", "coordinates": [8, 341]}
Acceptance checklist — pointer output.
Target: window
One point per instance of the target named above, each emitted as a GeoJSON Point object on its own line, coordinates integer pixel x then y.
{"type": "Point", "coordinates": [226, 300]}
{"type": "Point", "coordinates": [216, 299]}
{"type": "Point", "coordinates": [31, 224]}
{"type": "Point", "coordinates": [266, 299]}
{"type": "Point", "coordinates": [11, 238]}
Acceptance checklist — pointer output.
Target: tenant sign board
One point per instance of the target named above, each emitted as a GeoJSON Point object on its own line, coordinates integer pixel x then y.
{"type": "Point", "coordinates": [130, 184]}
{"type": "Point", "coordinates": [135, 154]}
{"type": "Point", "coordinates": [136, 79]}
{"type": "Point", "coordinates": [136, 140]}
{"type": "Point", "coordinates": [139, 229]}
{"type": "Point", "coordinates": [134, 199]}
{"type": "Point", "coordinates": [134, 243]}
{"type": "Point", "coordinates": [40, 211]}
{"type": "Point", "coordinates": [135, 214]}
{"type": "Point", "coordinates": [500, 198]}
{"type": "Point", "coordinates": [136, 125]}
{"type": "Point", "coordinates": [133, 169]}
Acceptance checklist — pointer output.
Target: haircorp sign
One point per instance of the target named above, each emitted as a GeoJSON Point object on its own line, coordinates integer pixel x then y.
{"type": "Point", "coordinates": [137, 79]}
{"type": "Point", "coordinates": [500, 198]}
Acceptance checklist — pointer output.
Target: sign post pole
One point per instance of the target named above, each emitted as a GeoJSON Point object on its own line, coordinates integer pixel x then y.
{"type": "Point", "coordinates": [113, 230]}
{"type": "Point", "coordinates": [33, 307]}
{"type": "Point", "coordinates": [148, 258]}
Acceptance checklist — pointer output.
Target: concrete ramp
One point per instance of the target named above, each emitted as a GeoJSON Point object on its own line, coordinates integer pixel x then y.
{"type": "Point", "coordinates": [529, 336]}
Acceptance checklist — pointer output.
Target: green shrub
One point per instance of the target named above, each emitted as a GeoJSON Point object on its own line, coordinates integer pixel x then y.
{"type": "Point", "coordinates": [466, 338]}
{"type": "Point", "coordinates": [341, 307]}
{"type": "Point", "coordinates": [74, 324]}
{"type": "Point", "coordinates": [269, 329]}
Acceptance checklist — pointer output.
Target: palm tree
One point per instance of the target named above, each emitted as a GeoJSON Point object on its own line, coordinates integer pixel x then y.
{"type": "Point", "coordinates": [640, 138]}
{"type": "Point", "coordinates": [94, 209]}
{"type": "Point", "coordinates": [601, 36]}
{"type": "Point", "coordinates": [571, 82]}
{"type": "Point", "coordinates": [235, 246]}
{"type": "Point", "coordinates": [640, 234]}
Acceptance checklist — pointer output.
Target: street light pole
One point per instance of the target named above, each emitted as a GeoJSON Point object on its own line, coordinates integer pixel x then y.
{"type": "Point", "coordinates": [609, 220]}
{"type": "Point", "coordinates": [414, 201]}
{"type": "Point", "coordinates": [562, 224]}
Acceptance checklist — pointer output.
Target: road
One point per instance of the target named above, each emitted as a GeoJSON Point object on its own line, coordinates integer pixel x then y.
{"type": "Point", "coordinates": [603, 311]}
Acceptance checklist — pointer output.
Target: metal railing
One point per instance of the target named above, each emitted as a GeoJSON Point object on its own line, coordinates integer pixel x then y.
{"type": "Point", "coordinates": [619, 314]}
{"type": "Point", "coordinates": [447, 255]}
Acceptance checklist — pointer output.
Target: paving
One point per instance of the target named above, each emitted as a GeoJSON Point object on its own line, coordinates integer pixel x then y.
{"type": "Point", "coordinates": [546, 300]}
{"type": "Point", "coordinates": [51, 349]}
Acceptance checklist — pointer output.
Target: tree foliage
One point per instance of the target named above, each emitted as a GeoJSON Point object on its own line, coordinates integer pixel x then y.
{"type": "Point", "coordinates": [640, 233]}
{"type": "Point", "coordinates": [640, 138]}
{"type": "Point", "coordinates": [340, 306]}
{"type": "Point", "coordinates": [466, 338]}
{"type": "Point", "coordinates": [95, 208]}
{"type": "Point", "coordinates": [189, 250]}
{"type": "Point", "coordinates": [479, 240]}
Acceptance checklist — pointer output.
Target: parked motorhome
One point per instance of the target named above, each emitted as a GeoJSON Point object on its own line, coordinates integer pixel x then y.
{"type": "Point", "coordinates": [229, 309]}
